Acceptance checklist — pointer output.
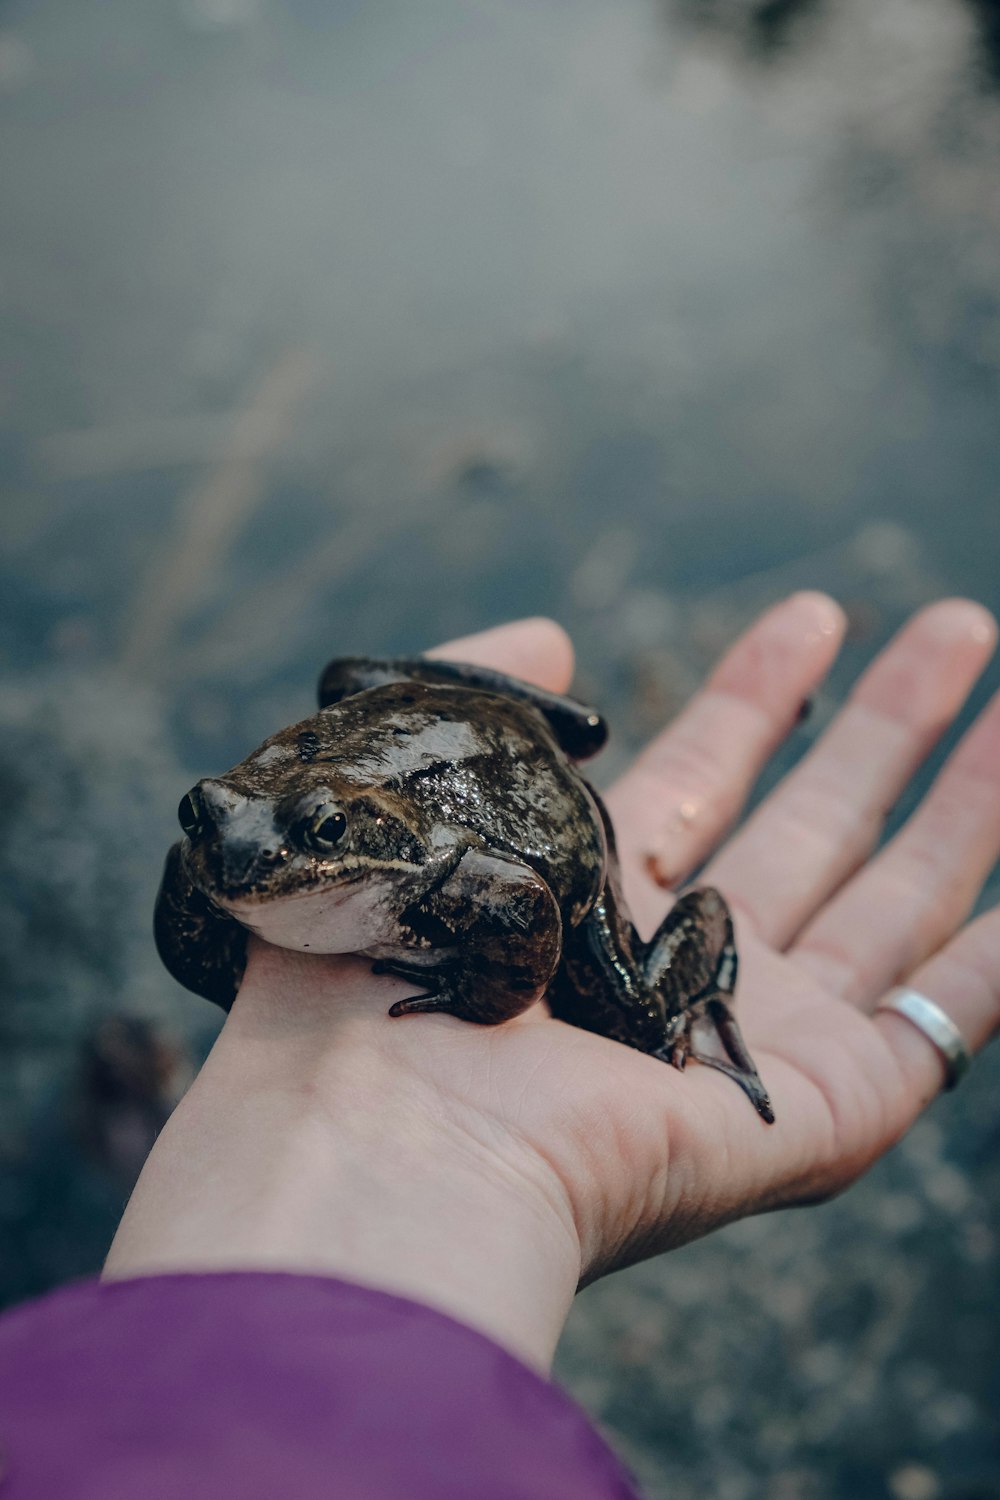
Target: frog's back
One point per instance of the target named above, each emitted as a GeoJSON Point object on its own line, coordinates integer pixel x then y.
{"type": "Point", "coordinates": [481, 762]}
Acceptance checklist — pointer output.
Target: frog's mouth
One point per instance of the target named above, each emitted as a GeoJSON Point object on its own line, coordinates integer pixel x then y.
{"type": "Point", "coordinates": [266, 890]}
{"type": "Point", "coordinates": [345, 916]}
{"type": "Point", "coordinates": [231, 876]}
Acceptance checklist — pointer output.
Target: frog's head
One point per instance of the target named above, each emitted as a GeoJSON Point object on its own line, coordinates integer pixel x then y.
{"type": "Point", "coordinates": [294, 821]}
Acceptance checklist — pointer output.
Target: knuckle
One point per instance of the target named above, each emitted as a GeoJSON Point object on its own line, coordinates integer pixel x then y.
{"type": "Point", "coordinates": [687, 762]}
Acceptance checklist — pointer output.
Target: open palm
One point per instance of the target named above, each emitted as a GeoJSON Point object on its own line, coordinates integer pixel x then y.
{"type": "Point", "coordinates": [648, 1157]}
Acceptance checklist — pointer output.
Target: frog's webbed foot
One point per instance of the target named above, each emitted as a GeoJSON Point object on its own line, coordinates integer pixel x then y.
{"type": "Point", "coordinates": [499, 930]}
{"type": "Point", "coordinates": [691, 963]}
{"type": "Point", "coordinates": [707, 1023]}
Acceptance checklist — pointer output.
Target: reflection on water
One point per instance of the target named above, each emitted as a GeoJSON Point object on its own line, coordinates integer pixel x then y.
{"type": "Point", "coordinates": [766, 28]}
{"type": "Point", "coordinates": [763, 28]}
{"type": "Point", "coordinates": [329, 327]}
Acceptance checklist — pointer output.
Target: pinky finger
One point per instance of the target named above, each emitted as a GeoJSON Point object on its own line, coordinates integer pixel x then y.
{"type": "Point", "coordinates": [963, 978]}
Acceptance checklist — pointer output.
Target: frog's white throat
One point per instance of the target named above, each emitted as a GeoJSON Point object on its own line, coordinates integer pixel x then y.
{"type": "Point", "coordinates": [352, 919]}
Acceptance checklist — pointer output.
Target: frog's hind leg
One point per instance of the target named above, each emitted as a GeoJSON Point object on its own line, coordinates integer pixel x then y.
{"type": "Point", "coordinates": [691, 964]}
{"type": "Point", "coordinates": [693, 947]}
{"type": "Point", "coordinates": [579, 730]}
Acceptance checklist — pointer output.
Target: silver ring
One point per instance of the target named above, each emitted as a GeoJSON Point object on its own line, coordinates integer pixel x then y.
{"type": "Point", "coordinates": [938, 1028]}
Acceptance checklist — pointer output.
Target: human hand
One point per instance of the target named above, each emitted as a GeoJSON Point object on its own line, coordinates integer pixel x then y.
{"type": "Point", "coordinates": [535, 1151]}
{"type": "Point", "coordinates": [825, 926]}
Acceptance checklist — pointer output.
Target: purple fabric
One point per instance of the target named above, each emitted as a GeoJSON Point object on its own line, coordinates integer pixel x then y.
{"type": "Point", "coordinates": [250, 1385]}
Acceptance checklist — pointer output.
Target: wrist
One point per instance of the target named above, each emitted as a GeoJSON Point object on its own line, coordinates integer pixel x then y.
{"type": "Point", "coordinates": [315, 1140]}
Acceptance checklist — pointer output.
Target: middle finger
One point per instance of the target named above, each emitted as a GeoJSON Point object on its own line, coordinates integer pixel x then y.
{"type": "Point", "coordinates": [687, 788]}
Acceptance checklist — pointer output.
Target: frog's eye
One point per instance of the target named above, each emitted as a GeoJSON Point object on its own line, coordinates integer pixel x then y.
{"type": "Point", "coordinates": [325, 829]}
{"type": "Point", "coordinates": [189, 815]}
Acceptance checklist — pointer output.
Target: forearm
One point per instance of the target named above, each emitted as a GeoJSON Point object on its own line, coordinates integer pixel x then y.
{"type": "Point", "coordinates": [308, 1144]}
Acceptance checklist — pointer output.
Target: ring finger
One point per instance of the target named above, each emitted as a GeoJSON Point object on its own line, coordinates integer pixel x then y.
{"type": "Point", "coordinates": [962, 980]}
{"type": "Point", "coordinates": [909, 900]}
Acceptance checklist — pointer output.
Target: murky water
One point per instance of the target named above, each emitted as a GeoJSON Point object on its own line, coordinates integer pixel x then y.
{"type": "Point", "coordinates": [330, 327]}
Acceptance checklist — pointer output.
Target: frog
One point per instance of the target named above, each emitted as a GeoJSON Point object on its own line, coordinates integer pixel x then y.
{"type": "Point", "coordinates": [432, 818]}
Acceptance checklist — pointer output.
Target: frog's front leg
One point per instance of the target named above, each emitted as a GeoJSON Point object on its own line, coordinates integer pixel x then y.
{"type": "Point", "coordinates": [203, 948]}
{"type": "Point", "coordinates": [484, 944]}
{"type": "Point", "coordinates": [691, 964]}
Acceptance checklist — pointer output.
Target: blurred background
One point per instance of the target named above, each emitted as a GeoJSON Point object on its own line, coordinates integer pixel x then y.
{"type": "Point", "coordinates": [329, 327]}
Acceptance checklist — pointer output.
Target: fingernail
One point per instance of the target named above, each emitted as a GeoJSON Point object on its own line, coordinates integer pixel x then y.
{"type": "Point", "coordinates": [827, 615]}
{"type": "Point", "coordinates": [660, 864]}
{"type": "Point", "coordinates": [953, 618]}
{"type": "Point", "coordinates": [658, 871]}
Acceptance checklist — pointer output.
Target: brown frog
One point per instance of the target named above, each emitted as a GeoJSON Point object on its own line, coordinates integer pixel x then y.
{"type": "Point", "coordinates": [432, 817]}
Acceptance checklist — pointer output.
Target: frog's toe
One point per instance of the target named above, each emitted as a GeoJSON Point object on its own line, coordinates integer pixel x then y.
{"type": "Point", "coordinates": [429, 999]}
{"type": "Point", "coordinates": [675, 1053]}
{"type": "Point", "coordinates": [675, 1046]}
{"type": "Point", "coordinates": [749, 1081]}
{"type": "Point", "coordinates": [418, 1005]}
{"type": "Point", "coordinates": [419, 974]}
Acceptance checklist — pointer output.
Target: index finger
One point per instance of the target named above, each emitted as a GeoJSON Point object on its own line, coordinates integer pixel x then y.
{"type": "Point", "coordinates": [536, 650]}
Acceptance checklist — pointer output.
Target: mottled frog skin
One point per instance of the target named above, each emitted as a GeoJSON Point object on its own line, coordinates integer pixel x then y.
{"type": "Point", "coordinates": [432, 817]}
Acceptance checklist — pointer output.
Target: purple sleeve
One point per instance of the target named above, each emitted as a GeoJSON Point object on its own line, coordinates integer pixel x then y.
{"type": "Point", "coordinates": [257, 1384]}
